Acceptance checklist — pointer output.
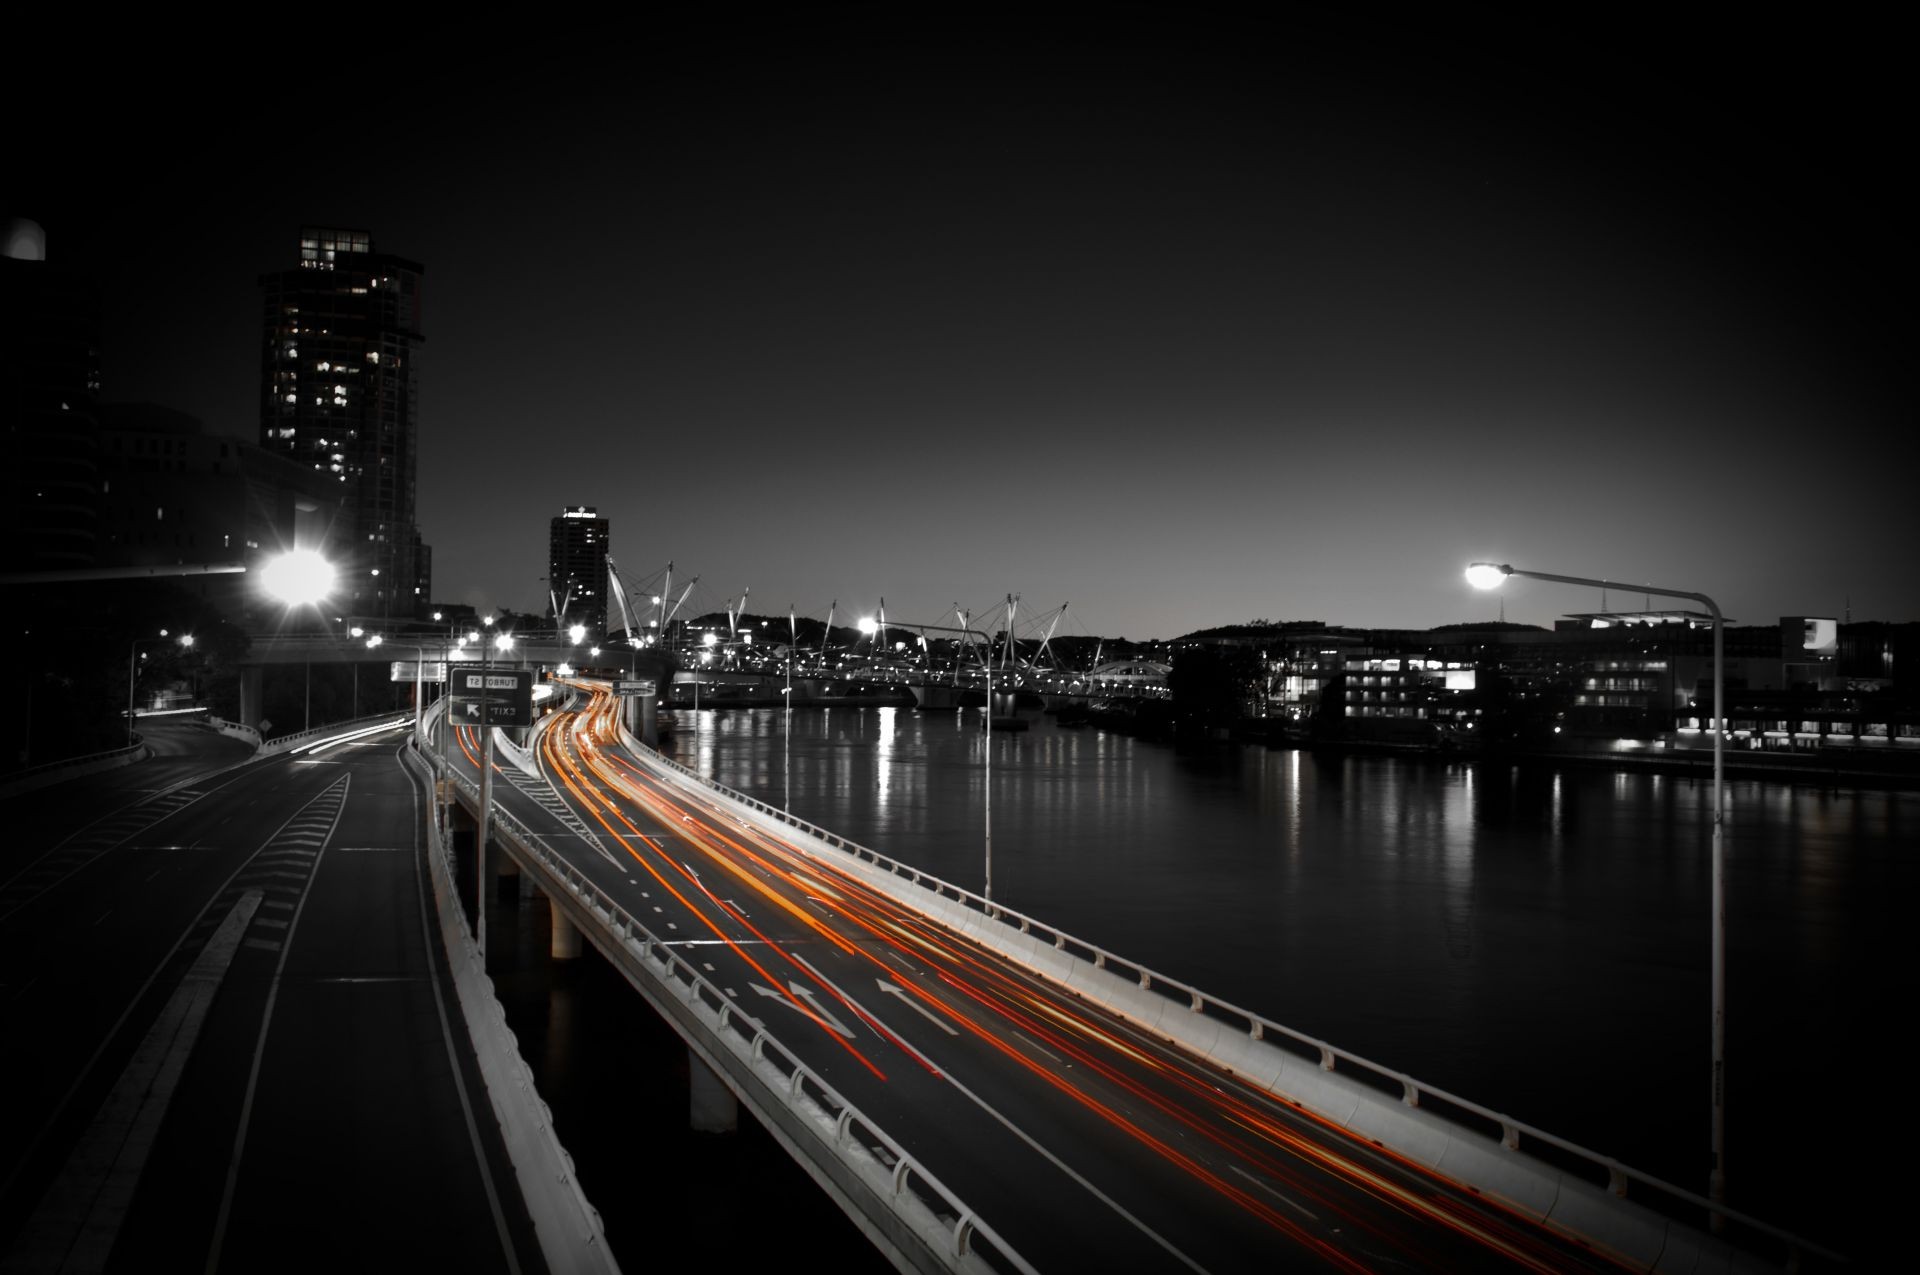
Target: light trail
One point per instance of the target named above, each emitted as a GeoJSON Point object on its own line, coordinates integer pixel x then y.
{"type": "Point", "coordinates": [1004, 1002]}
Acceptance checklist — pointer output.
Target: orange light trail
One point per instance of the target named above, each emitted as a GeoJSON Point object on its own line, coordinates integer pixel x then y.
{"type": "Point", "coordinates": [1007, 1000]}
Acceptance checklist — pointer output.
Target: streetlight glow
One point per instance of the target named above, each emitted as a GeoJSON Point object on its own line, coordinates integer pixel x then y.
{"type": "Point", "coordinates": [298, 577]}
{"type": "Point", "coordinates": [1484, 575]}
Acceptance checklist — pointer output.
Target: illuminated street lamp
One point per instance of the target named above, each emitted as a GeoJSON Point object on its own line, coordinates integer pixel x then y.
{"type": "Point", "coordinates": [300, 578]}
{"type": "Point", "coordinates": [1487, 575]}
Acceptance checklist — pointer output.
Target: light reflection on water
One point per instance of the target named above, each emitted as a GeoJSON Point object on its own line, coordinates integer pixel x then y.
{"type": "Point", "coordinates": [1533, 940]}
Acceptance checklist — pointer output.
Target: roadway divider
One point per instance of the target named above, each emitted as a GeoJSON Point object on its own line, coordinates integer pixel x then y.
{"type": "Point", "coordinates": [915, 1220]}
{"type": "Point", "coordinates": [522, 758]}
{"type": "Point", "coordinates": [320, 734]}
{"type": "Point", "coordinates": [568, 1226]}
{"type": "Point", "coordinates": [236, 730]}
{"type": "Point", "coordinates": [1567, 1188]}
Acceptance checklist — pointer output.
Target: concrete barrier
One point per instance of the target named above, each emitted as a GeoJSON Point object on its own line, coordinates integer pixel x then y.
{"type": "Point", "coordinates": [568, 1226]}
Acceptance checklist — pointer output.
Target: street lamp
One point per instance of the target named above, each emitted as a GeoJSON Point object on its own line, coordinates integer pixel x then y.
{"type": "Point", "coordinates": [1488, 575]}
{"type": "Point", "coordinates": [133, 678]}
{"type": "Point", "coordinates": [298, 578]}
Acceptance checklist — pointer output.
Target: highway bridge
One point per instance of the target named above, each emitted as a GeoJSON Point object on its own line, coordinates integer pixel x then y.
{"type": "Point", "coordinates": [979, 1091]}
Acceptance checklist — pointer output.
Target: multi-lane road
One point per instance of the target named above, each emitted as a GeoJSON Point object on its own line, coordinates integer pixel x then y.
{"type": "Point", "coordinates": [229, 1041]}
{"type": "Point", "coordinates": [1084, 1143]}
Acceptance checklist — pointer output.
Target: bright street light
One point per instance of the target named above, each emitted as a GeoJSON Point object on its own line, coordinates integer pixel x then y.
{"type": "Point", "coordinates": [1488, 575]}
{"type": "Point", "coordinates": [577, 633]}
{"type": "Point", "coordinates": [298, 577]}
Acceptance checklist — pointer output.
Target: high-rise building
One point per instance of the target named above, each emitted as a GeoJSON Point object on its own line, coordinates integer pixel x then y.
{"type": "Point", "coordinates": [338, 395]}
{"type": "Point", "coordinates": [49, 378]}
{"type": "Point", "coordinates": [577, 568]}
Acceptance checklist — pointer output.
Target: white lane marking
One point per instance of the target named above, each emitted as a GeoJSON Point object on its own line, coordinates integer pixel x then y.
{"type": "Point", "coordinates": [825, 1017]}
{"type": "Point", "coordinates": [78, 1220]}
{"type": "Point", "coordinates": [890, 989]}
{"type": "Point", "coordinates": [453, 1059]}
{"type": "Point", "coordinates": [1268, 1188]}
{"type": "Point", "coordinates": [1067, 1169]}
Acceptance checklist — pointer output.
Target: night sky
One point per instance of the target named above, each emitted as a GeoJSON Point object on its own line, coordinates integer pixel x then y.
{"type": "Point", "coordinates": [1183, 325]}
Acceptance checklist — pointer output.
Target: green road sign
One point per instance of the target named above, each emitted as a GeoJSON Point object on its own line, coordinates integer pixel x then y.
{"type": "Point", "coordinates": [490, 697]}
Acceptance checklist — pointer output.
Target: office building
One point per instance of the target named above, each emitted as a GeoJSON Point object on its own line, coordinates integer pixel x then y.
{"type": "Point", "coordinates": [49, 380]}
{"type": "Point", "coordinates": [577, 569]}
{"type": "Point", "coordinates": [338, 396]}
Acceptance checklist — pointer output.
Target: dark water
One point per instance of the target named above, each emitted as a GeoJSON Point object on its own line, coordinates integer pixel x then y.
{"type": "Point", "coordinates": [1534, 940]}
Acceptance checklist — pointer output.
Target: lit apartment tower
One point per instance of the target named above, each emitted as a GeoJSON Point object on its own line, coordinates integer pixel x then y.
{"type": "Point", "coordinates": [338, 394]}
{"type": "Point", "coordinates": [577, 567]}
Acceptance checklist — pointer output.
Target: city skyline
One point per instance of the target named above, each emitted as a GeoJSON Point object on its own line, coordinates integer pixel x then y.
{"type": "Point", "coordinates": [1289, 322]}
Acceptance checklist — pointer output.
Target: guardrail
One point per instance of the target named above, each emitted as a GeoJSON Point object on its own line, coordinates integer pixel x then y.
{"type": "Point", "coordinates": [281, 743]}
{"type": "Point", "coordinates": [1184, 1014]}
{"type": "Point", "coordinates": [935, 1216]}
{"type": "Point", "coordinates": [54, 772]}
{"type": "Point", "coordinates": [236, 730]}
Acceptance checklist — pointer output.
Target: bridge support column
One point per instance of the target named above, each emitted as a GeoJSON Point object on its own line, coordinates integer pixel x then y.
{"type": "Point", "coordinates": [566, 935]}
{"type": "Point", "coordinates": [711, 1106]}
{"type": "Point", "coordinates": [251, 703]}
{"type": "Point", "coordinates": [640, 714]}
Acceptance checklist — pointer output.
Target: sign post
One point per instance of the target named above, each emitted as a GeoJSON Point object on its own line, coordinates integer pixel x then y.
{"type": "Point", "coordinates": [487, 697]}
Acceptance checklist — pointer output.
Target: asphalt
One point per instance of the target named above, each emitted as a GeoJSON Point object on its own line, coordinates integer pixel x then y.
{"type": "Point", "coordinates": [256, 1059]}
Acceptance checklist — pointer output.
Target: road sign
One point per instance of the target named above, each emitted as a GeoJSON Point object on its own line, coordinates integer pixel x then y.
{"type": "Point", "coordinates": [643, 687]}
{"type": "Point", "coordinates": [431, 671]}
{"type": "Point", "coordinates": [491, 697]}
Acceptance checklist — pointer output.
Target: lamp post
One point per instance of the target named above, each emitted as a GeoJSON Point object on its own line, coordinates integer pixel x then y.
{"type": "Point", "coordinates": [133, 672]}
{"type": "Point", "coordinates": [298, 578]}
{"type": "Point", "coordinates": [1487, 575]}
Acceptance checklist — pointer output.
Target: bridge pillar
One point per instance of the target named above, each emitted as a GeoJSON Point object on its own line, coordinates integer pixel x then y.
{"type": "Point", "coordinates": [711, 1106]}
{"type": "Point", "coordinates": [649, 720]}
{"type": "Point", "coordinates": [251, 702]}
{"type": "Point", "coordinates": [566, 935]}
{"type": "Point", "coordinates": [640, 714]}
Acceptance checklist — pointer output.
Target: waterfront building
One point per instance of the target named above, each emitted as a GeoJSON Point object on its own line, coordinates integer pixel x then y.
{"type": "Point", "coordinates": [339, 396]}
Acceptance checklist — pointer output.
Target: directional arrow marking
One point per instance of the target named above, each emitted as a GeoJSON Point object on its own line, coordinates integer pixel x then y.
{"type": "Point", "coordinates": [892, 989]}
{"type": "Point", "coordinates": [798, 990]}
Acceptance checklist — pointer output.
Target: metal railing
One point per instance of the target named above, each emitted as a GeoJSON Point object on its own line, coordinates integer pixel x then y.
{"type": "Point", "coordinates": [281, 743]}
{"type": "Point", "coordinates": [1513, 1134]}
{"type": "Point", "coordinates": [862, 1145]}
